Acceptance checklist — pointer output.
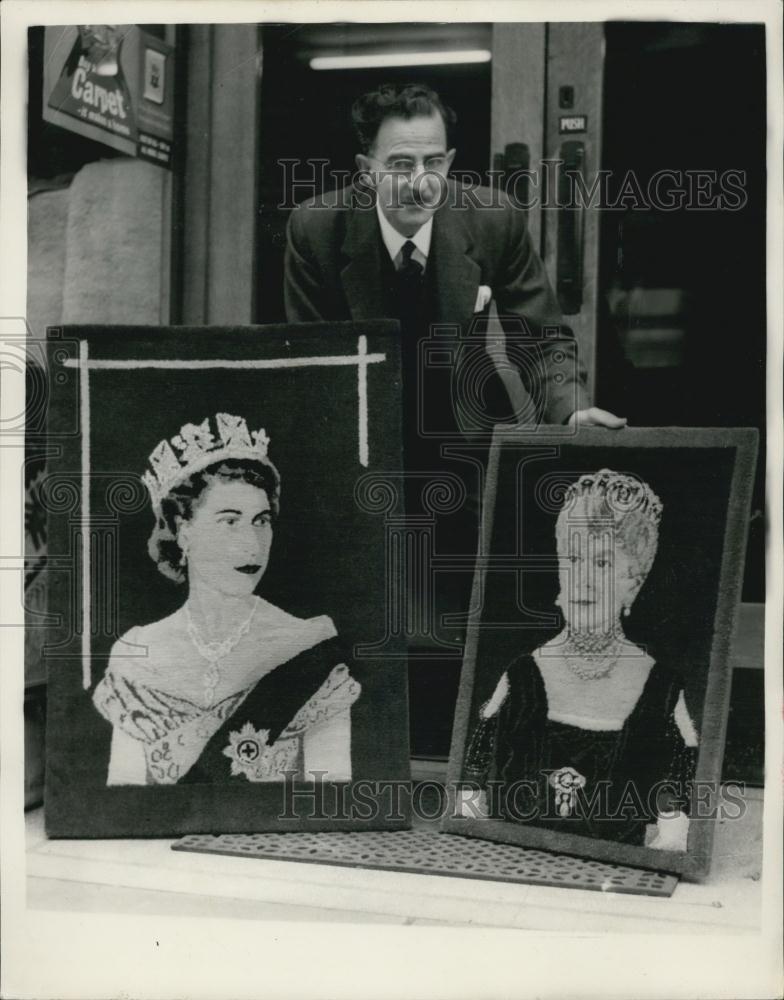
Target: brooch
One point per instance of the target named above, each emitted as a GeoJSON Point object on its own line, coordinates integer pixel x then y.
{"type": "Point", "coordinates": [566, 782]}
{"type": "Point", "coordinates": [251, 754]}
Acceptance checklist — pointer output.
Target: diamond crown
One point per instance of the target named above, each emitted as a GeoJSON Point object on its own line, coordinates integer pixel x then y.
{"type": "Point", "coordinates": [621, 492]}
{"type": "Point", "coordinates": [197, 446]}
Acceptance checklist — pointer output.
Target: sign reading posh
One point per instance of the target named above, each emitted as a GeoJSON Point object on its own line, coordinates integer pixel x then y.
{"type": "Point", "coordinates": [113, 84]}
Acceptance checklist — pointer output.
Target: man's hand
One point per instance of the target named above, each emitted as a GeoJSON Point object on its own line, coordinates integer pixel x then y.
{"type": "Point", "coordinates": [594, 417]}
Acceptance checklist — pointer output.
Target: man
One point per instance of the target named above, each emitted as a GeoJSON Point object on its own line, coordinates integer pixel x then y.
{"type": "Point", "coordinates": [403, 243]}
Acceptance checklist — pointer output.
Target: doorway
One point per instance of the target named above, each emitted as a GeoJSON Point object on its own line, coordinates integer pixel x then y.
{"type": "Point", "coordinates": [682, 326]}
{"type": "Point", "coordinates": [306, 115]}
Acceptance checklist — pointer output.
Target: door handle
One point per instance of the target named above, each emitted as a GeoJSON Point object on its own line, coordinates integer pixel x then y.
{"type": "Point", "coordinates": [571, 227]}
{"type": "Point", "coordinates": [515, 157]}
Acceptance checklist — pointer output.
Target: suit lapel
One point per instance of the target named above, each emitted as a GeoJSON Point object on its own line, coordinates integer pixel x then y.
{"type": "Point", "coordinates": [457, 276]}
{"type": "Point", "coordinates": [361, 277]}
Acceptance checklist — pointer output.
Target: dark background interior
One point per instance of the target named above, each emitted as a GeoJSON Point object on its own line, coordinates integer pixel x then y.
{"type": "Point", "coordinates": [685, 98]}
{"type": "Point", "coordinates": [690, 97]}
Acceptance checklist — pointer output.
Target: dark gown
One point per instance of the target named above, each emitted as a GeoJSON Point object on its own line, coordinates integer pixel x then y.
{"type": "Point", "coordinates": [607, 784]}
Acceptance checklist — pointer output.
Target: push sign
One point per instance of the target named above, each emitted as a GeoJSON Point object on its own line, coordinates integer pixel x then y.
{"type": "Point", "coordinates": [573, 123]}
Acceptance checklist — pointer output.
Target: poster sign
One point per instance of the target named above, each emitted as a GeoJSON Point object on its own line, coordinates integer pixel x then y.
{"type": "Point", "coordinates": [114, 84]}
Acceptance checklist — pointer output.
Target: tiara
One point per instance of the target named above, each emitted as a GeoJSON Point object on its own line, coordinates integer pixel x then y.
{"type": "Point", "coordinates": [622, 493]}
{"type": "Point", "coordinates": [196, 447]}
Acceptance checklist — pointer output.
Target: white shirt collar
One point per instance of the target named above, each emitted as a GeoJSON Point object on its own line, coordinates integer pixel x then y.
{"type": "Point", "coordinates": [394, 241]}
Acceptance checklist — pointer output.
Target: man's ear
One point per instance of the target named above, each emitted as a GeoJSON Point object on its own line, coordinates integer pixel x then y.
{"type": "Point", "coordinates": [363, 166]}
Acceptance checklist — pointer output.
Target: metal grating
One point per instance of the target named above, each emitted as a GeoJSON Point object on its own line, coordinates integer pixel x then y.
{"type": "Point", "coordinates": [435, 854]}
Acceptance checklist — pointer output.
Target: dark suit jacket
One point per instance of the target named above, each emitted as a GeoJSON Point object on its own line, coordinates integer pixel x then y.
{"type": "Point", "coordinates": [333, 271]}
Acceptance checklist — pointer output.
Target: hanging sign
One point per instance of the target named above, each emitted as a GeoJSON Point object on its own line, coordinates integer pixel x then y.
{"type": "Point", "coordinates": [114, 84]}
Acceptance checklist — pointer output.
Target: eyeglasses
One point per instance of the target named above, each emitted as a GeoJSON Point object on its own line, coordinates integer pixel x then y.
{"type": "Point", "coordinates": [404, 166]}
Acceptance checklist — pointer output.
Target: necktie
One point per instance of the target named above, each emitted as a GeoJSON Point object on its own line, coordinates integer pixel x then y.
{"type": "Point", "coordinates": [409, 292]}
{"type": "Point", "coordinates": [409, 269]}
{"type": "Point", "coordinates": [410, 310]}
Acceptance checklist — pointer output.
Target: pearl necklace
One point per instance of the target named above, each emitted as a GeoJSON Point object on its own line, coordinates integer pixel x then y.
{"type": "Point", "coordinates": [604, 648]}
{"type": "Point", "coordinates": [213, 652]}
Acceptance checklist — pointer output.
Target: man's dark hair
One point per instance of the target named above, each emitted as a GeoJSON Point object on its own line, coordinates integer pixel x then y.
{"type": "Point", "coordinates": [391, 101]}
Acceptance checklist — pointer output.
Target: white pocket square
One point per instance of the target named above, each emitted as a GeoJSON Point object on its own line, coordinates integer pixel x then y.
{"type": "Point", "coordinates": [483, 296]}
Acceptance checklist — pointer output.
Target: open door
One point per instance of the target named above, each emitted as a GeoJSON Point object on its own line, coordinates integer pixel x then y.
{"type": "Point", "coordinates": [546, 121]}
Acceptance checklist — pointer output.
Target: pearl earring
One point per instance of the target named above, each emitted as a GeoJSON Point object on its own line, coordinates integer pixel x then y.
{"type": "Point", "coordinates": [626, 610]}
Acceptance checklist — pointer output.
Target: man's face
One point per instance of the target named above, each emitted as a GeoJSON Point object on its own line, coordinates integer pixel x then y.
{"type": "Point", "coordinates": [409, 163]}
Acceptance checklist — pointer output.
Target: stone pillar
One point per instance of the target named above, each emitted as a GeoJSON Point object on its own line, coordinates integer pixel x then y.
{"type": "Point", "coordinates": [115, 269]}
{"type": "Point", "coordinates": [220, 184]}
{"type": "Point", "coordinates": [47, 216]}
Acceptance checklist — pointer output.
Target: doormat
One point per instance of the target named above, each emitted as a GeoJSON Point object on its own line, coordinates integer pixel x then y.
{"type": "Point", "coordinates": [435, 854]}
